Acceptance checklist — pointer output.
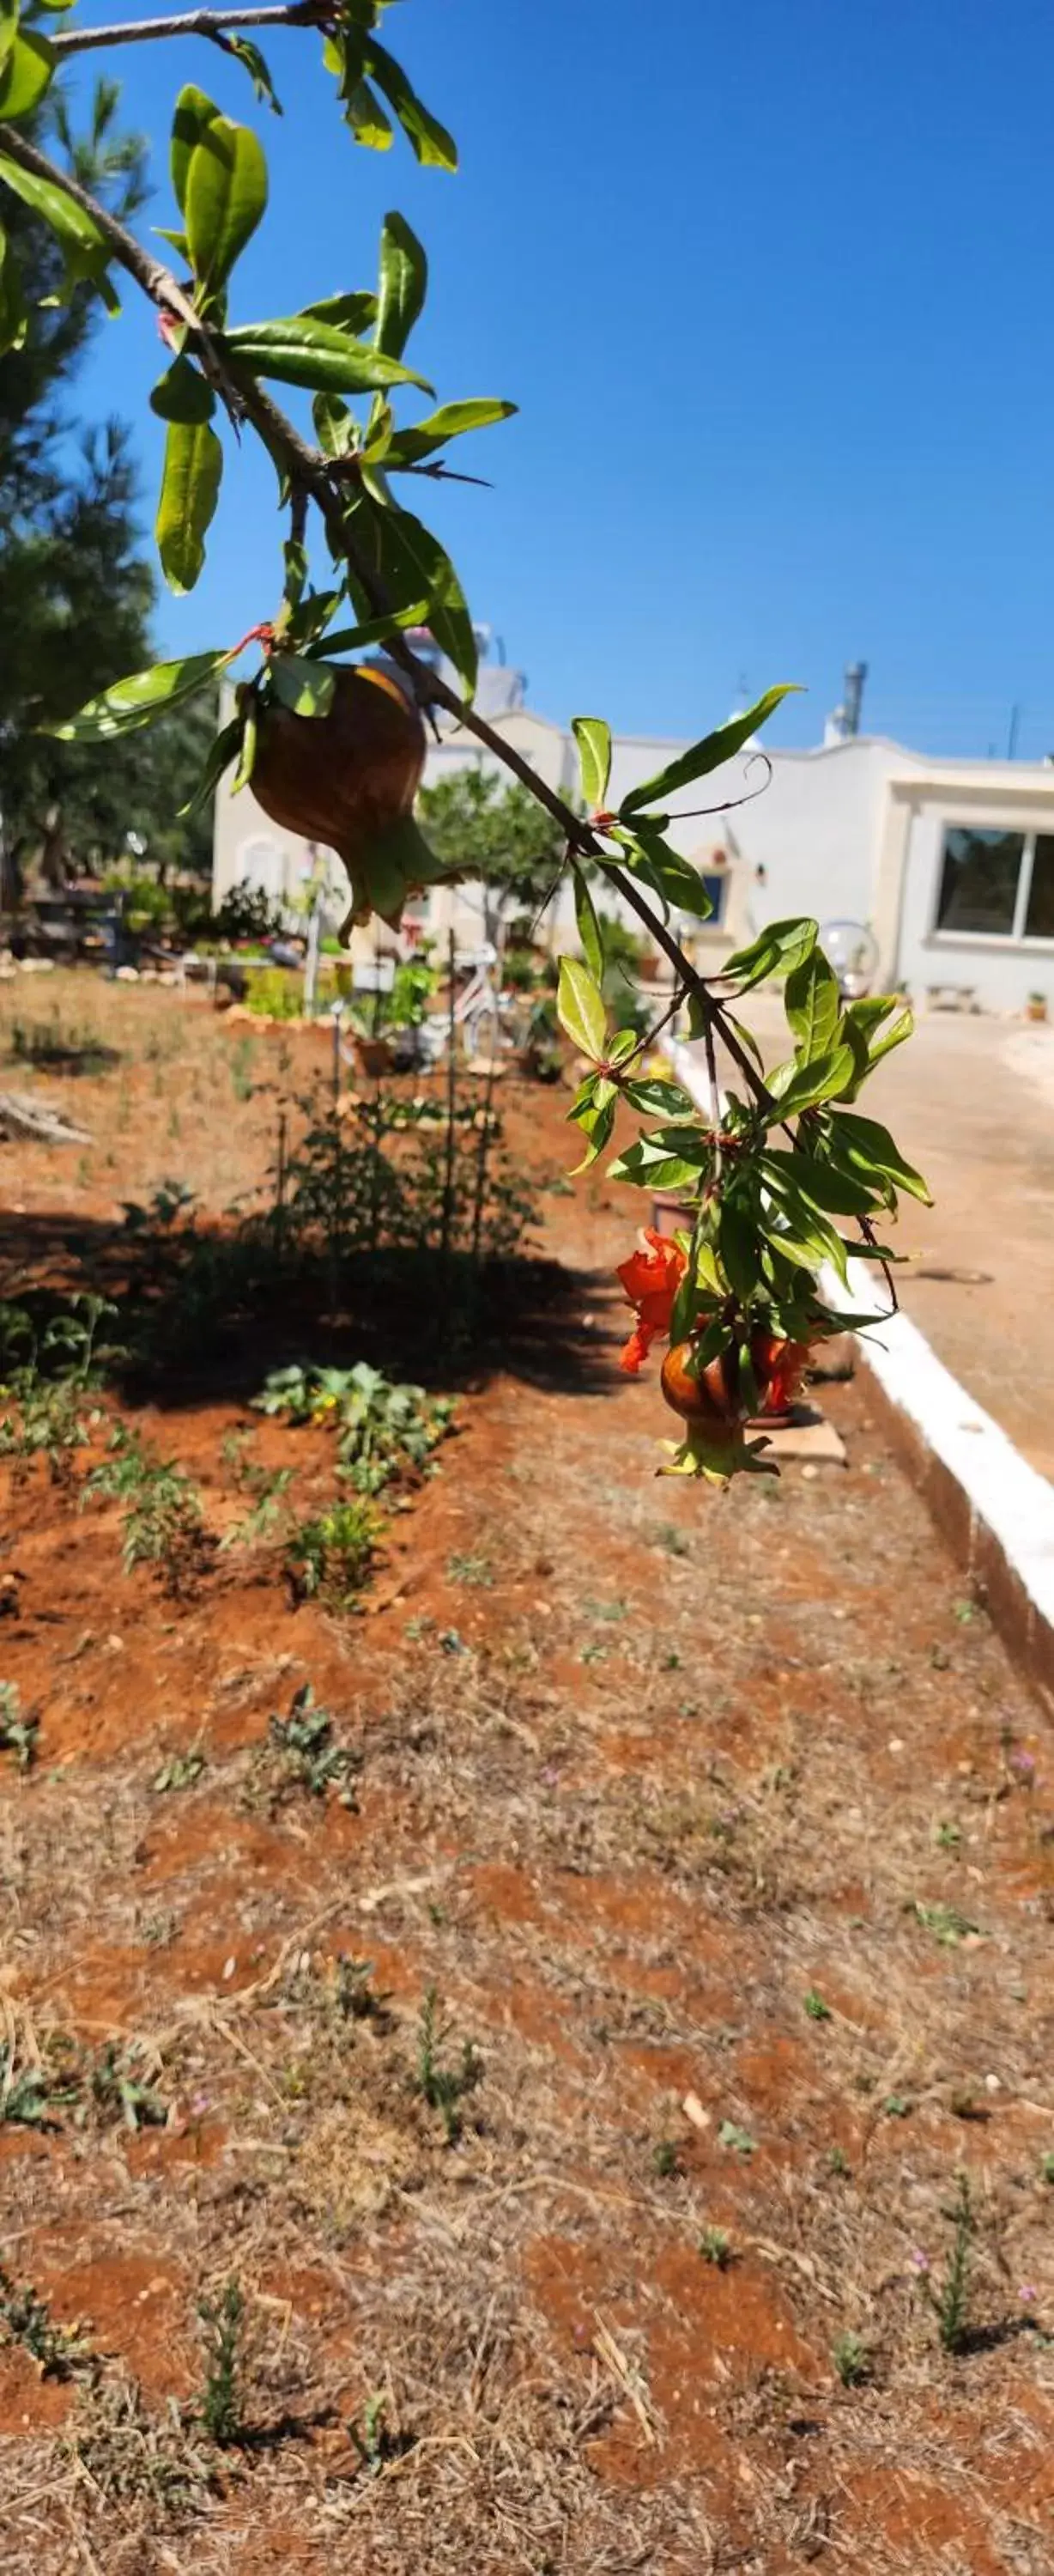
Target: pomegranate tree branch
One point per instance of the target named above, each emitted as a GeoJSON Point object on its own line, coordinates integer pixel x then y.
{"type": "Point", "coordinates": [193, 22]}
{"type": "Point", "coordinates": [309, 472]}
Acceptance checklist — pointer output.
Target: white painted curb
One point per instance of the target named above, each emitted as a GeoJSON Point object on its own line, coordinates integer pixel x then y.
{"type": "Point", "coordinates": [1004, 1500]}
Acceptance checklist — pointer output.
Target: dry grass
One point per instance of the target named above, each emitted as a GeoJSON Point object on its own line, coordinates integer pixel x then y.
{"type": "Point", "coordinates": [675, 1767]}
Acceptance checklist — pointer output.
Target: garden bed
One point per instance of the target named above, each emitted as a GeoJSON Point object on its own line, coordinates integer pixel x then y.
{"type": "Point", "coordinates": [571, 2078]}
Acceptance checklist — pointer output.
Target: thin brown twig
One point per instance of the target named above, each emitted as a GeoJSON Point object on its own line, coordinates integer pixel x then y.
{"type": "Point", "coordinates": [193, 22]}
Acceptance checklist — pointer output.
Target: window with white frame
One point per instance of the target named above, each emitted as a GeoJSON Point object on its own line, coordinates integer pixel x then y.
{"type": "Point", "coordinates": [996, 885]}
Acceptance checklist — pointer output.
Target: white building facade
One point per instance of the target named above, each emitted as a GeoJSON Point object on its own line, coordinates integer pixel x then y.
{"type": "Point", "coordinates": [949, 863]}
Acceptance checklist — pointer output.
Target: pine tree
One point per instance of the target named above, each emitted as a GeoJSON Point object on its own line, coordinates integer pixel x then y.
{"type": "Point", "coordinates": [76, 592]}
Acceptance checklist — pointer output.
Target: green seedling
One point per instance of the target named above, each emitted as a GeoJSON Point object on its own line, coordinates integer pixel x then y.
{"type": "Point", "coordinates": [731, 2135]}
{"type": "Point", "coordinates": [118, 2093]}
{"type": "Point", "coordinates": [309, 1759]}
{"type": "Point", "coordinates": [18, 1734]}
{"type": "Point", "coordinates": [715, 2247]}
{"type": "Point", "coordinates": [443, 2087]}
{"type": "Point", "coordinates": [852, 2361]}
{"type": "Point", "coordinates": [223, 2326]}
{"type": "Point", "coordinates": [59, 2351]}
{"type": "Point", "coordinates": [945, 1922]}
{"type": "Point", "coordinates": [815, 2006]}
{"type": "Point", "coordinates": [951, 2301]}
{"type": "Point", "coordinates": [181, 1771]}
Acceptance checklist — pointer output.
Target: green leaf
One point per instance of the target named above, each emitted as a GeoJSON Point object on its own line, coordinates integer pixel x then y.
{"type": "Point", "coordinates": [802, 1236]}
{"type": "Point", "coordinates": [375, 630]}
{"type": "Point", "coordinates": [813, 1006]}
{"type": "Point", "coordinates": [452, 420]}
{"type": "Point", "coordinates": [836, 1193]}
{"type": "Point", "coordinates": [131, 704]}
{"type": "Point", "coordinates": [27, 73]}
{"type": "Point", "coordinates": [298, 350]}
{"type": "Point", "coordinates": [870, 1149]}
{"type": "Point", "coordinates": [704, 756]}
{"type": "Point", "coordinates": [593, 737]}
{"type": "Point", "coordinates": [353, 313]}
{"type": "Point", "coordinates": [226, 186]}
{"type": "Point", "coordinates": [220, 756]}
{"type": "Point", "coordinates": [433, 146]}
{"type": "Point", "coordinates": [249, 720]}
{"type": "Point", "coordinates": [737, 1243]}
{"type": "Point", "coordinates": [654, 1172]}
{"type": "Point", "coordinates": [86, 248]}
{"type": "Point", "coordinates": [411, 563]}
{"type": "Point", "coordinates": [795, 1087]}
{"type": "Point", "coordinates": [366, 117]}
{"type": "Point", "coordinates": [14, 315]}
{"type": "Point", "coordinates": [677, 883]}
{"type": "Point", "coordinates": [306, 688]}
{"type": "Point", "coordinates": [580, 1008]}
{"type": "Point", "coordinates": [190, 489]}
{"type": "Point", "coordinates": [656, 1098]}
{"type": "Point", "coordinates": [894, 1036]}
{"type": "Point", "coordinates": [194, 113]}
{"type": "Point", "coordinates": [588, 926]}
{"type": "Point", "coordinates": [256, 65]}
{"type": "Point", "coordinates": [182, 395]}
{"type": "Point", "coordinates": [777, 950]}
{"type": "Point", "coordinates": [597, 1125]}
{"type": "Point", "coordinates": [403, 285]}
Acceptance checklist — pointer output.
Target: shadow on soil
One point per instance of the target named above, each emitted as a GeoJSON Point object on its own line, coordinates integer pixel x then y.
{"type": "Point", "coordinates": [203, 1314]}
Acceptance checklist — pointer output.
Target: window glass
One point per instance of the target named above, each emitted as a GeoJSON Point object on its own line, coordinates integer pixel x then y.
{"type": "Point", "coordinates": [714, 887]}
{"type": "Point", "coordinates": [1039, 919]}
{"type": "Point", "coordinates": [979, 881]}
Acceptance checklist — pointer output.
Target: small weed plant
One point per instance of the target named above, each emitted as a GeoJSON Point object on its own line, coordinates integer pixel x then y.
{"type": "Point", "coordinates": [945, 1922]}
{"type": "Point", "coordinates": [442, 2085]}
{"type": "Point", "coordinates": [951, 2302]}
{"type": "Point", "coordinates": [18, 1732]}
{"type": "Point", "coordinates": [59, 2351]}
{"type": "Point", "coordinates": [852, 2361]}
{"type": "Point", "coordinates": [715, 2247]}
{"type": "Point", "coordinates": [306, 1755]}
{"type": "Point", "coordinates": [223, 2329]}
{"type": "Point", "coordinates": [181, 1771]}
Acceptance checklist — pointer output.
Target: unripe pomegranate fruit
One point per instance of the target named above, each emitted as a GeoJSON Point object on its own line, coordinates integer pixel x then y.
{"type": "Point", "coordinates": [346, 777]}
{"type": "Point", "coordinates": [711, 1400]}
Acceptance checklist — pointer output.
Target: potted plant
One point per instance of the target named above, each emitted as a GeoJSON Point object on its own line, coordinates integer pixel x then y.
{"type": "Point", "coordinates": [1036, 1006]}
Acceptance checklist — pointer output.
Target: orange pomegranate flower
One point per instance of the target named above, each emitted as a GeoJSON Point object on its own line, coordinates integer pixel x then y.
{"type": "Point", "coordinates": [780, 1367]}
{"type": "Point", "coordinates": [651, 1278]}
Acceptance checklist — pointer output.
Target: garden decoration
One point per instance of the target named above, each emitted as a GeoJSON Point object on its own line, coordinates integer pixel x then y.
{"type": "Point", "coordinates": [335, 751]}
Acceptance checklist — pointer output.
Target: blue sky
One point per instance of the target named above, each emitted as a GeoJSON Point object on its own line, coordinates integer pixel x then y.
{"type": "Point", "coordinates": [772, 288]}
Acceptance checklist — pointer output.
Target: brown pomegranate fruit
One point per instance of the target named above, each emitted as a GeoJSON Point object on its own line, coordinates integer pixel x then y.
{"type": "Point", "coordinates": [345, 778]}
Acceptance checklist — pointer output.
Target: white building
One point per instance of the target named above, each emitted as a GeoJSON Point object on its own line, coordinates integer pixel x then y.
{"type": "Point", "coordinates": [950, 863]}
